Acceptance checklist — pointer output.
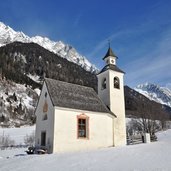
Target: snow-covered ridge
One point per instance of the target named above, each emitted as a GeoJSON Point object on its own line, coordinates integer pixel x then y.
{"type": "Point", "coordinates": [8, 35]}
{"type": "Point", "coordinates": [155, 92]}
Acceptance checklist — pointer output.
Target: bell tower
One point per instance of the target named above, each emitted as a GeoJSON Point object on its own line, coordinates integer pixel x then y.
{"type": "Point", "coordinates": [111, 91]}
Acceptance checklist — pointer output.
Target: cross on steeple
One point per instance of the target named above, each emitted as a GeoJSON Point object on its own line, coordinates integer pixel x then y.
{"type": "Point", "coordinates": [109, 42]}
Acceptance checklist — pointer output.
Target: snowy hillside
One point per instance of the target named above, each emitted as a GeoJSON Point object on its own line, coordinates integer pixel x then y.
{"type": "Point", "coordinates": [17, 104]}
{"type": "Point", "coordinates": [155, 92]}
{"type": "Point", "coordinates": [143, 157]}
{"type": "Point", "coordinates": [8, 35]}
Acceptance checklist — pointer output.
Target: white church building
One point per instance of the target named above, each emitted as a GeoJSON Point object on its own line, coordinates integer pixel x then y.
{"type": "Point", "coordinates": [71, 117]}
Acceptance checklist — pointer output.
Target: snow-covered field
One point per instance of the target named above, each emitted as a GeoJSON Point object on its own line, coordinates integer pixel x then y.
{"type": "Point", "coordinates": [17, 134]}
{"type": "Point", "coordinates": [148, 157]}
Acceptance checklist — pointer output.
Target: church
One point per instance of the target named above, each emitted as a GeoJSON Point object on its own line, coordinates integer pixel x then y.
{"type": "Point", "coordinates": [71, 117]}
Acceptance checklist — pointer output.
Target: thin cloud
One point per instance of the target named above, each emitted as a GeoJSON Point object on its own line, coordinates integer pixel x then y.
{"type": "Point", "coordinates": [77, 20]}
{"type": "Point", "coordinates": [101, 45]}
{"type": "Point", "coordinates": [156, 71]}
{"type": "Point", "coordinates": [154, 67]}
{"type": "Point", "coordinates": [147, 47]}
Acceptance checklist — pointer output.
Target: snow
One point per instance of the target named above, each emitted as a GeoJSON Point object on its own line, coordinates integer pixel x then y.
{"type": "Point", "coordinates": [19, 90]}
{"type": "Point", "coordinates": [34, 77]}
{"type": "Point", "coordinates": [8, 35]}
{"type": "Point", "coordinates": [38, 91]}
{"type": "Point", "coordinates": [143, 157]}
{"type": "Point", "coordinates": [17, 134]}
{"type": "Point", "coordinates": [14, 96]}
{"type": "Point", "coordinates": [155, 92]}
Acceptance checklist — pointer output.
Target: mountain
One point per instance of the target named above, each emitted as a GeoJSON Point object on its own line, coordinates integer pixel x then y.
{"type": "Point", "coordinates": [24, 62]}
{"type": "Point", "coordinates": [155, 92]}
{"type": "Point", "coordinates": [22, 69]}
{"type": "Point", "coordinates": [21, 62]}
{"type": "Point", "coordinates": [24, 65]}
{"type": "Point", "coordinates": [8, 35]}
{"type": "Point", "coordinates": [138, 105]}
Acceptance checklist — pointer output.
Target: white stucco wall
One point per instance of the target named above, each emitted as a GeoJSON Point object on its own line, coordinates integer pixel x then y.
{"type": "Point", "coordinates": [65, 135]}
{"type": "Point", "coordinates": [45, 125]}
{"type": "Point", "coordinates": [117, 106]}
{"type": "Point", "coordinates": [114, 99]}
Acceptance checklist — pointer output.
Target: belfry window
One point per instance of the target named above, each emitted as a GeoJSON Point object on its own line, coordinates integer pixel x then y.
{"type": "Point", "coordinates": [116, 83]}
{"type": "Point", "coordinates": [104, 84]}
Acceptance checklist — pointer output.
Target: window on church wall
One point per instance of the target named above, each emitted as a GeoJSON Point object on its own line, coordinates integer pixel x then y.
{"type": "Point", "coordinates": [45, 116]}
{"type": "Point", "coordinates": [83, 126]}
{"type": "Point", "coordinates": [116, 83]}
{"type": "Point", "coordinates": [104, 84]}
{"type": "Point", "coordinates": [45, 108]}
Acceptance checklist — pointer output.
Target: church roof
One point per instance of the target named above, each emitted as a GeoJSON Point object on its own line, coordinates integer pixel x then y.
{"type": "Point", "coordinates": [109, 53]}
{"type": "Point", "coordinates": [111, 67]}
{"type": "Point", "coordinates": [74, 96]}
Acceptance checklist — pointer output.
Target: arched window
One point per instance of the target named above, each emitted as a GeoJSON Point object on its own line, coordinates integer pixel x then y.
{"type": "Point", "coordinates": [45, 110]}
{"type": "Point", "coordinates": [104, 84]}
{"type": "Point", "coordinates": [82, 126]}
{"type": "Point", "coordinates": [116, 83]}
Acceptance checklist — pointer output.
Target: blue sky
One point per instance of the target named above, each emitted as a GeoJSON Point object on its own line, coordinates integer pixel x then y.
{"type": "Point", "coordinates": [139, 30]}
